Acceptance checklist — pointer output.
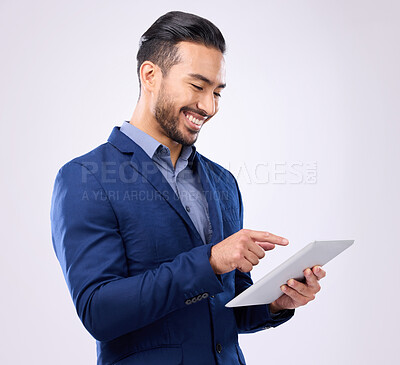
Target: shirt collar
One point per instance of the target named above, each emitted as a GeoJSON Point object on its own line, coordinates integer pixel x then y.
{"type": "Point", "coordinates": [147, 143]}
{"type": "Point", "coordinates": [150, 145]}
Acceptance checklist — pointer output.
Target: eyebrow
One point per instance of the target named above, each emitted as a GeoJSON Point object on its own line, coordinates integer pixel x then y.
{"type": "Point", "coordinates": [207, 81]}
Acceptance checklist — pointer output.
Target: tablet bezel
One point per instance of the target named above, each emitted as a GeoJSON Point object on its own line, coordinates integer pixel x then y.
{"type": "Point", "coordinates": [267, 289]}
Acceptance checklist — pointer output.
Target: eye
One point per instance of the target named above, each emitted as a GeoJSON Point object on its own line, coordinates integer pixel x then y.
{"type": "Point", "coordinates": [197, 87]}
{"type": "Point", "coordinates": [200, 88]}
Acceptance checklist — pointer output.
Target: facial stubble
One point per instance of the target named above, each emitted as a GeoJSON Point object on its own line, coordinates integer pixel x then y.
{"type": "Point", "coordinates": [164, 115]}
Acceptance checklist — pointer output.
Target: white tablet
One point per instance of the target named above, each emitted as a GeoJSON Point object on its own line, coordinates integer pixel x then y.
{"type": "Point", "coordinates": [267, 289]}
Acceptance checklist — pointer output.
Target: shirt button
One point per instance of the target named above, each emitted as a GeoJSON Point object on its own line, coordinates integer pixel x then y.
{"type": "Point", "coordinates": [187, 208]}
{"type": "Point", "coordinates": [219, 348]}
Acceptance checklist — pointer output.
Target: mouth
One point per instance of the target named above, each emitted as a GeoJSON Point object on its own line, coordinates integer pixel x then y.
{"type": "Point", "coordinates": [193, 120]}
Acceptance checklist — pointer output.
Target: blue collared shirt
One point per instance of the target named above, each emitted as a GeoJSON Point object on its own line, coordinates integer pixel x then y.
{"type": "Point", "coordinates": [183, 179]}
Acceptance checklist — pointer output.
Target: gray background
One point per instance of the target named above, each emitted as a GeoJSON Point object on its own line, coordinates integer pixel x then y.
{"type": "Point", "coordinates": [312, 83]}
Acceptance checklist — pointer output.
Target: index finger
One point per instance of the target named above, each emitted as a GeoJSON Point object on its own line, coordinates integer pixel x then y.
{"type": "Point", "coordinates": [262, 236]}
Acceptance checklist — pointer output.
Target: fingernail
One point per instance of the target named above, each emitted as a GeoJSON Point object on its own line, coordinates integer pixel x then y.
{"type": "Point", "coordinates": [285, 240]}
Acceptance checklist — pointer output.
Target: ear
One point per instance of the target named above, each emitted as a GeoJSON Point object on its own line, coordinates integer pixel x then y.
{"type": "Point", "coordinates": [149, 75]}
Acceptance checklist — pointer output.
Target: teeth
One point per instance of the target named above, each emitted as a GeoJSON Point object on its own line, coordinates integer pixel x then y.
{"type": "Point", "coordinates": [194, 120]}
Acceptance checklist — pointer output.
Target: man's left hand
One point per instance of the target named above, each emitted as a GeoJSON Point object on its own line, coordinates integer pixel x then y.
{"type": "Point", "coordinates": [297, 294]}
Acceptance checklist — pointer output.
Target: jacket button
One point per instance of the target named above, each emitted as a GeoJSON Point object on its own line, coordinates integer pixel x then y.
{"type": "Point", "coordinates": [219, 348]}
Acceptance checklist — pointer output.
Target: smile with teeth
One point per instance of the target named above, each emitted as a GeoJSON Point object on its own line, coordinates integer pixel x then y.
{"type": "Point", "coordinates": [192, 119]}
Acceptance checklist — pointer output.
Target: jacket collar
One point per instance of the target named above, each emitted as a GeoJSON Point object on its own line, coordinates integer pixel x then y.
{"type": "Point", "coordinates": [126, 145]}
{"type": "Point", "coordinates": [121, 141]}
{"type": "Point", "coordinates": [145, 166]}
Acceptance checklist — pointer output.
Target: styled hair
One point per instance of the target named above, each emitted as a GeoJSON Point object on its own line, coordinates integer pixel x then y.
{"type": "Point", "coordinates": [158, 43]}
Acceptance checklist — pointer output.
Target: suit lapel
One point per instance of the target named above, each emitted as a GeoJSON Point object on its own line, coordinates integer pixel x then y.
{"type": "Point", "coordinates": [211, 193]}
{"type": "Point", "coordinates": [145, 166]}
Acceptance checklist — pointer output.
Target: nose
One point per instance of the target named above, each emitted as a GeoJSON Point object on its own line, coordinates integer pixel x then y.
{"type": "Point", "coordinates": [207, 103]}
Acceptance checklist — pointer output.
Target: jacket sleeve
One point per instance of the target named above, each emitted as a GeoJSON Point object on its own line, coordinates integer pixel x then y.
{"type": "Point", "coordinates": [258, 317]}
{"type": "Point", "coordinates": [90, 249]}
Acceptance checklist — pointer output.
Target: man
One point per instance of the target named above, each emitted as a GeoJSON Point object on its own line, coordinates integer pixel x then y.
{"type": "Point", "coordinates": [148, 231]}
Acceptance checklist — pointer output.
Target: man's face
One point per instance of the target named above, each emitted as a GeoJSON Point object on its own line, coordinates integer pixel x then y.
{"type": "Point", "coordinates": [188, 96]}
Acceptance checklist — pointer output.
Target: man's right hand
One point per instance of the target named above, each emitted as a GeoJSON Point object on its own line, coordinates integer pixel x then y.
{"type": "Point", "coordinates": [243, 250]}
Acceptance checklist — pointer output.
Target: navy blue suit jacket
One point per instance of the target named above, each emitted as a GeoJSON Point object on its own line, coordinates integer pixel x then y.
{"type": "Point", "coordinates": [137, 270]}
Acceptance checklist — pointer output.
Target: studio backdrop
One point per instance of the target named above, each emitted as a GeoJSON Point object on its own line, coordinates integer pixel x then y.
{"type": "Point", "coordinates": [308, 124]}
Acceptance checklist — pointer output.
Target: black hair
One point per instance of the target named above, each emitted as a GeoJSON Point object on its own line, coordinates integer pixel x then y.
{"type": "Point", "coordinates": [158, 43]}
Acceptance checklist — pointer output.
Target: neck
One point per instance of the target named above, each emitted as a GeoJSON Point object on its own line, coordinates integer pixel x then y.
{"type": "Point", "coordinates": [146, 122]}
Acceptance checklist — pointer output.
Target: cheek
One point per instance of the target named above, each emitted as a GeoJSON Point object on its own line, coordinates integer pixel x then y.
{"type": "Point", "coordinates": [188, 97]}
{"type": "Point", "coordinates": [182, 99]}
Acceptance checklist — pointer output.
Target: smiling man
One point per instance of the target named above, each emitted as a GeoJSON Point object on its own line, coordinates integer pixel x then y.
{"type": "Point", "coordinates": [149, 233]}
{"type": "Point", "coordinates": [176, 102]}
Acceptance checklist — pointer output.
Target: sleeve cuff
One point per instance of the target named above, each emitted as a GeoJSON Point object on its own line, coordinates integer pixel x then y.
{"type": "Point", "coordinates": [281, 316]}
